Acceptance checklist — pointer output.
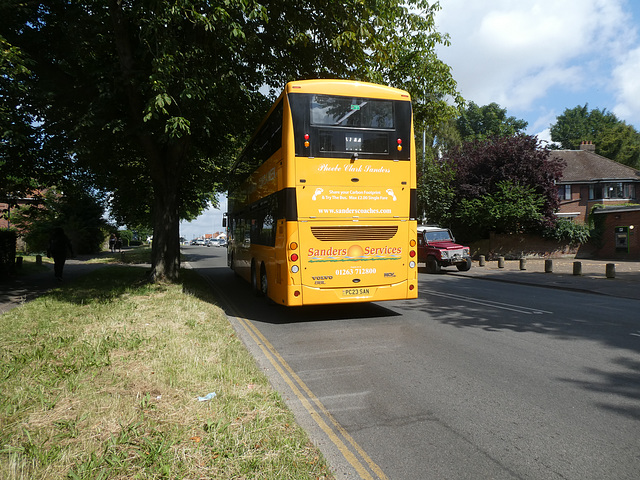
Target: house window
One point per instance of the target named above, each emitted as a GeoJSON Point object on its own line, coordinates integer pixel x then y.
{"type": "Point", "coordinates": [564, 192]}
{"type": "Point", "coordinates": [629, 191]}
{"type": "Point", "coordinates": [612, 190]}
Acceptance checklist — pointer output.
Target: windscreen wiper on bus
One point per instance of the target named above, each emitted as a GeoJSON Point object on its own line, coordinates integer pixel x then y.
{"type": "Point", "coordinates": [353, 110]}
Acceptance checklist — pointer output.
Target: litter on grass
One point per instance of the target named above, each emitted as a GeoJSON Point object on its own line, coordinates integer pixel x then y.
{"type": "Point", "coordinates": [207, 397]}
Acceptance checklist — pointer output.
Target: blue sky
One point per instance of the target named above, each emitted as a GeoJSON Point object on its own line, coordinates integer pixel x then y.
{"type": "Point", "coordinates": [535, 58]}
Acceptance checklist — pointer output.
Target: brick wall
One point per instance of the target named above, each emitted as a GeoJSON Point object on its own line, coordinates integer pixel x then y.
{"type": "Point", "coordinates": [520, 246]}
{"type": "Point", "coordinates": [621, 219]}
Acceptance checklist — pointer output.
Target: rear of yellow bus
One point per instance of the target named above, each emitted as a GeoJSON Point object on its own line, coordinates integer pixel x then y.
{"type": "Point", "coordinates": [351, 161]}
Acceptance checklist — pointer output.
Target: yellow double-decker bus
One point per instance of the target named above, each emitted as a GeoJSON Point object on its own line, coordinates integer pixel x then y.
{"type": "Point", "coordinates": [323, 206]}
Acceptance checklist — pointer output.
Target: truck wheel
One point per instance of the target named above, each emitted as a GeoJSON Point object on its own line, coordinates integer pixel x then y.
{"type": "Point", "coordinates": [464, 267]}
{"type": "Point", "coordinates": [432, 265]}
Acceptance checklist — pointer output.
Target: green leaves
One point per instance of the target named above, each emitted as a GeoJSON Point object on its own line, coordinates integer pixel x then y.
{"type": "Point", "coordinates": [511, 208]}
{"type": "Point", "coordinates": [613, 138]}
{"type": "Point", "coordinates": [479, 123]}
{"type": "Point", "coordinates": [155, 99]}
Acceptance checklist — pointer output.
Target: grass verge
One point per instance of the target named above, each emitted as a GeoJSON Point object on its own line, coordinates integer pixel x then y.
{"type": "Point", "coordinates": [100, 379]}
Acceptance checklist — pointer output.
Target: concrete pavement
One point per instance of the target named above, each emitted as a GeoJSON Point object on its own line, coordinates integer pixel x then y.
{"type": "Point", "coordinates": [625, 284]}
{"type": "Point", "coordinates": [19, 289]}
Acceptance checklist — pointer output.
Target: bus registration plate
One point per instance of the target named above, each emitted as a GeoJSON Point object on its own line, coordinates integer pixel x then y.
{"type": "Point", "coordinates": [355, 292]}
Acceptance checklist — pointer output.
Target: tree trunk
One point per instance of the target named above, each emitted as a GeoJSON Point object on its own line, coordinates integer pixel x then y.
{"type": "Point", "coordinates": [163, 160]}
{"type": "Point", "coordinates": [165, 251]}
{"type": "Point", "coordinates": [165, 173]}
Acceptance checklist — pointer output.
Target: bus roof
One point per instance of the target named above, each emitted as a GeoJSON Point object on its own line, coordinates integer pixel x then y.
{"type": "Point", "coordinates": [347, 88]}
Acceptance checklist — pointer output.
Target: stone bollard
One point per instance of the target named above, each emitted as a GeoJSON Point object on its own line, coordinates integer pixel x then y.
{"type": "Point", "coordinates": [523, 264]}
{"type": "Point", "coordinates": [611, 270]}
{"type": "Point", "coordinates": [500, 262]}
{"type": "Point", "coordinates": [38, 259]}
{"type": "Point", "coordinates": [548, 266]}
{"type": "Point", "coordinates": [481, 261]}
{"type": "Point", "coordinates": [18, 262]}
{"type": "Point", "coordinates": [577, 268]}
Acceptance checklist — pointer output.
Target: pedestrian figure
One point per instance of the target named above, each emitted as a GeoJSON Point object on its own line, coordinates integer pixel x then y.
{"type": "Point", "coordinates": [112, 242]}
{"type": "Point", "coordinates": [59, 246]}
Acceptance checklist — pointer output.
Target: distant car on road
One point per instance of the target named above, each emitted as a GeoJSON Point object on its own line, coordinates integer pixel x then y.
{"type": "Point", "coordinates": [437, 249]}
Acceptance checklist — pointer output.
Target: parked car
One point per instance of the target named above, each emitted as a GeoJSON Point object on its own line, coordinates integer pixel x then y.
{"type": "Point", "coordinates": [437, 248]}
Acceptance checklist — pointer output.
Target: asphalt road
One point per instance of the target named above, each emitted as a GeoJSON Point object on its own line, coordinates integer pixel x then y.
{"type": "Point", "coordinates": [475, 379]}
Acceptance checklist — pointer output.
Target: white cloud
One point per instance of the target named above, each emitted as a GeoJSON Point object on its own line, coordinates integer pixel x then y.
{"type": "Point", "coordinates": [627, 80]}
{"type": "Point", "coordinates": [515, 52]}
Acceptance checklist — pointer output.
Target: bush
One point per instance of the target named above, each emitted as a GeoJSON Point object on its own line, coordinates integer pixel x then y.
{"type": "Point", "coordinates": [566, 230]}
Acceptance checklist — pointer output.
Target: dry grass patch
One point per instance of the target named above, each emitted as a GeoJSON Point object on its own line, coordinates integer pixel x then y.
{"type": "Point", "coordinates": [100, 380]}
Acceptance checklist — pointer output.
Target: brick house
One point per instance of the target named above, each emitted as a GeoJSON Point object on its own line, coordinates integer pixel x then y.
{"type": "Point", "coordinates": [591, 179]}
{"type": "Point", "coordinates": [620, 235]}
{"type": "Point", "coordinates": [6, 208]}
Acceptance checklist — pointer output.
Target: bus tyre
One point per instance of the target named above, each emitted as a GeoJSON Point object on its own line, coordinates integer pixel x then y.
{"type": "Point", "coordinates": [254, 280]}
{"type": "Point", "coordinates": [464, 267]}
{"type": "Point", "coordinates": [264, 285]}
{"type": "Point", "coordinates": [432, 265]}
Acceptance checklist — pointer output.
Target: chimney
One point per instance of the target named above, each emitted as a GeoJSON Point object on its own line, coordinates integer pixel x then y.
{"type": "Point", "coordinates": [588, 146]}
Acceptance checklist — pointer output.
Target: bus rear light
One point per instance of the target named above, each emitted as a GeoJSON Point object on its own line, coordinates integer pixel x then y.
{"type": "Point", "coordinates": [412, 253]}
{"type": "Point", "coordinates": [412, 243]}
{"type": "Point", "coordinates": [294, 257]}
{"type": "Point", "coordinates": [294, 269]}
{"type": "Point", "coordinates": [399, 144]}
{"type": "Point", "coordinates": [306, 140]}
{"type": "Point", "coordinates": [296, 293]}
{"type": "Point", "coordinates": [412, 264]}
{"type": "Point", "coordinates": [411, 287]}
{"type": "Point", "coordinates": [293, 246]}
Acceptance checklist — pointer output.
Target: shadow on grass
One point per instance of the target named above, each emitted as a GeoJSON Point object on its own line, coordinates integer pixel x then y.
{"type": "Point", "coordinates": [104, 285]}
{"type": "Point", "coordinates": [111, 282]}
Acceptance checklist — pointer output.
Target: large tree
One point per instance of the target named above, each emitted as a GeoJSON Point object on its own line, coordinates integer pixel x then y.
{"type": "Point", "coordinates": [614, 138]}
{"type": "Point", "coordinates": [496, 174]}
{"type": "Point", "coordinates": [18, 135]}
{"type": "Point", "coordinates": [155, 98]}
{"type": "Point", "coordinates": [481, 122]}
{"type": "Point", "coordinates": [435, 178]}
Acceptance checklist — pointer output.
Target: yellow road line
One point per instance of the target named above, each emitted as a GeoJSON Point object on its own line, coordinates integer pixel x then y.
{"type": "Point", "coordinates": [296, 384]}
{"type": "Point", "coordinates": [378, 471]}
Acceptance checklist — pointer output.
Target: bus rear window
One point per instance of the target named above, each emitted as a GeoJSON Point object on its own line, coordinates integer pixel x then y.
{"type": "Point", "coordinates": [342, 126]}
{"type": "Point", "coordinates": [351, 112]}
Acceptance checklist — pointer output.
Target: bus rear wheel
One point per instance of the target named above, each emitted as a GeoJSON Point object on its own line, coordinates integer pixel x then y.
{"type": "Point", "coordinates": [264, 283]}
{"type": "Point", "coordinates": [254, 280]}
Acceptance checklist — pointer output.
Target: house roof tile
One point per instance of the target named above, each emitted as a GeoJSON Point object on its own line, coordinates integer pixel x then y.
{"type": "Point", "coordinates": [585, 166]}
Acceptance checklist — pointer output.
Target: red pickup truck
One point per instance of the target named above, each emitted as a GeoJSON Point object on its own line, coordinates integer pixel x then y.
{"type": "Point", "coordinates": [437, 248]}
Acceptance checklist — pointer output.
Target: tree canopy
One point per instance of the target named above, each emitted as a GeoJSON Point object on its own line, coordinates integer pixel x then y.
{"type": "Point", "coordinates": [504, 184]}
{"type": "Point", "coordinates": [436, 191]}
{"type": "Point", "coordinates": [154, 99]}
{"type": "Point", "coordinates": [482, 122]}
{"type": "Point", "coordinates": [613, 138]}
